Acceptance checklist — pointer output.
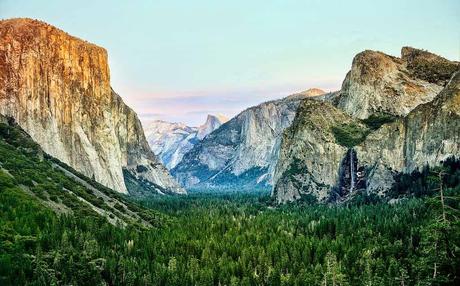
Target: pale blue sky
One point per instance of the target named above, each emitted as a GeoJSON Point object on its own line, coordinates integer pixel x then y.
{"type": "Point", "coordinates": [179, 60]}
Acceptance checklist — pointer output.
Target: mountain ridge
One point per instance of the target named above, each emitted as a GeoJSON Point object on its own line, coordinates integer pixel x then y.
{"type": "Point", "coordinates": [170, 141]}
{"type": "Point", "coordinates": [241, 153]}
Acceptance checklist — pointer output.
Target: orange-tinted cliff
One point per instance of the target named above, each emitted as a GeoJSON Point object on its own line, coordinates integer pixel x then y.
{"type": "Point", "coordinates": [57, 87]}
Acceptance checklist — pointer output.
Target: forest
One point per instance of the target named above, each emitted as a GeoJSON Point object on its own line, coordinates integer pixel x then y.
{"type": "Point", "coordinates": [234, 240]}
{"type": "Point", "coordinates": [224, 238]}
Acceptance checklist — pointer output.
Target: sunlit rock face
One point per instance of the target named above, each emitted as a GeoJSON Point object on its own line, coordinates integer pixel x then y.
{"type": "Point", "coordinates": [379, 83]}
{"type": "Point", "coordinates": [212, 123]}
{"type": "Point", "coordinates": [242, 153]}
{"type": "Point", "coordinates": [425, 129]}
{"type": "Point", "coordinates": [171, 141]}
{"type": "Point", "coordinates": [57, 87]}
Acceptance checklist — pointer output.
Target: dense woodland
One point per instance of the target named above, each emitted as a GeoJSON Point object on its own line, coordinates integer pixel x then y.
{"type": "Point", "coordinates": [226, 239]}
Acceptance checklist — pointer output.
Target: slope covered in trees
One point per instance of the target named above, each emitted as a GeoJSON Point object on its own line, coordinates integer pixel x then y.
{"type": "Point", "coordinates": [52, 234]}
{"type": "Point", "coordinates": [234, 240]}
{"type": "Point", "coordinates": [26, 169]}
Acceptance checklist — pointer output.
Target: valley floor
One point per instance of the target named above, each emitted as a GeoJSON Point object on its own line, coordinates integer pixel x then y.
{"type": "Point", "coordinates": [236, 239]}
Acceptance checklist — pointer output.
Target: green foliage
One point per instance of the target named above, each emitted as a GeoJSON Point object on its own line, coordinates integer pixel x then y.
{"type": "Point", "coordinates": [296, 168]}
{"type": "Point", "coordinates": [53, 181]}
{"type": "Point", "coordinates": [231, 240]}
{"type": "Point", "coordinates": [426, 181]}
{"type": "Point", "coordinates": [223, 239]}
{"type": "Point", "coordinates": [376, 120]}
{"type": "Point", "coordinates": [23, 161]}
{"type": "Point", "coordinates": [119, 207]}
{"type": "Point", "coordinates": [349, 135]}
{"type": "Point", "coordinates": [141, 169]}
{"type": "Point", "coordinates": [246, 181]}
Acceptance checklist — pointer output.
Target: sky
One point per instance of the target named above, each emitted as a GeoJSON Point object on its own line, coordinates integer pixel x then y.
{"type": "Point", "coordinates": [181, 60]}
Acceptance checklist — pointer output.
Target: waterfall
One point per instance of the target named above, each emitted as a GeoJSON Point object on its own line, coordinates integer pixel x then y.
{"type": "Point", "coordinates": [352, 171]}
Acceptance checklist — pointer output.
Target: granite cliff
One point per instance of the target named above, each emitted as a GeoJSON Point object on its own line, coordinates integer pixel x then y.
{"type": "Point", "coordinates": [310, 156]}
{"type": "Point", "coordinates": [57, 88]}
{"type": "Point", "coordinates": [242, 153]}
{"type": "Point", "coordinates": [379, 83]}
{"type": "Point", "coordinates": [392, 116]}
{"type": "Point", "coordinates": [426, 136]}
{"type": "Point", "coordinates": [212, 123]}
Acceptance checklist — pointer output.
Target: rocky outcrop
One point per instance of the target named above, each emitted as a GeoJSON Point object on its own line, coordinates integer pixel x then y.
{"type": "Point", "coordinates": [57, 87]}
{"type": "Point", "coordinates": [171, 141]}
{"type": "Point", "coordinates": [243, 152]}
{"type": "Point", "coordinates": [378, 83]}
{"type": "Point", "coordinates": [428, 66]}
{"type": "Point", "coordinates": [330, 153]}
{"type": "Point", "coordinates": [427, 136]}
{"type": "Point", "coordinates": [212, 123]}
{"type": "Point", "coordinates": [311, 157]}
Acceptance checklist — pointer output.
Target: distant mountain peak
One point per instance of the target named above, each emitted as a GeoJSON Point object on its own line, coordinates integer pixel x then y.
{"type": "Point", "coordinates": [222, 118]}
{"type": "Point", "coordinates": [159, 126]}
{"type": "Point", "coordinates": [311, 92]}
{"type": "Point", "coordinates": [212, 123]}
{"type": "Point", "coordinates": [242, 153]}
{"type": "Point", "coordinates": [170, 141]}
